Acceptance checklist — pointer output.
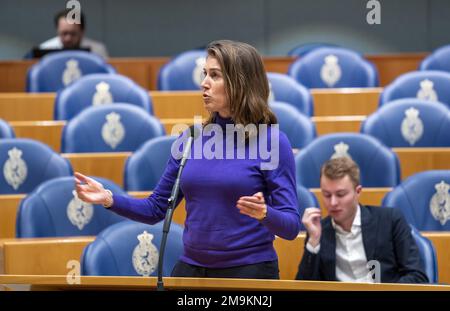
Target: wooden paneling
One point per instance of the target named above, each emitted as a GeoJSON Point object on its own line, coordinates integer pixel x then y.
{"type": "Point", "coordinates": [49, 256]}
{"type": "Point", "coordinates": [26, 107]}
{"type": "Point", "coordinates": [335, 124]}
{"type": "Point", "coordinates": [345, 102]}
{"type": "Point", "coordinates": [9, 204]}
{"type": "Point", "coordinates": [108, 165]}
{"type": "Point", "coordinates": [390, 66]}
{"type": "Point", "coordinates": [144, 71]}
{"type": "Point", "coordinates": [59, 283]}
{"type": "Point", "coordinates": [415, 160]}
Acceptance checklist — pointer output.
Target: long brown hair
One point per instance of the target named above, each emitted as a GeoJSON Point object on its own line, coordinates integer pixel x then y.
{"type": "Point", "coordinates": [246, 84]}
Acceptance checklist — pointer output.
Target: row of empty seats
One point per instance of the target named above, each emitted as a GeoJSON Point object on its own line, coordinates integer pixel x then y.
{"type": "Point", "coordinates": [321, 67]}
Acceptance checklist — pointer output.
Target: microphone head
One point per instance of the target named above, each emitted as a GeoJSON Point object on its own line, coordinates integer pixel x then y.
{"type": "Point", "coordinates": [194, 131]}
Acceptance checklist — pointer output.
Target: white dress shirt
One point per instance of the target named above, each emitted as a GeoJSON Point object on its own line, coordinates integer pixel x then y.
{"type": "Point", "coordinates": [351, 260]}
{"type": "Point", "coordinates": [95, 46]}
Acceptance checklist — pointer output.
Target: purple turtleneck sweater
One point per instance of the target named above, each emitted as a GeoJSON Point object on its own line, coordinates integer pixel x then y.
{"type": "Point", "coordinates": [216, 235]}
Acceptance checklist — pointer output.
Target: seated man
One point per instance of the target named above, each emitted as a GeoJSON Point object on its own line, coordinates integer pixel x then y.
{"type": "Point", "coordinates": [356, 243]}
{"type": "Point", "coordinates": [71, 36]}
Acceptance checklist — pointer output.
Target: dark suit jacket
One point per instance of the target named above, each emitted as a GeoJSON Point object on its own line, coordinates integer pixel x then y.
{"type": "Point", "coordinates": [386, 237]}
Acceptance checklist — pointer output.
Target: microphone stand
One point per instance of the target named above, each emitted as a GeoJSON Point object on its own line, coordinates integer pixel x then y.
{"type": "Point", "coordinates": [171, 207]}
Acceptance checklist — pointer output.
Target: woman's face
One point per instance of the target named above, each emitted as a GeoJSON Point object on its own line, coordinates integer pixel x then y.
{"type": "Point", "coordinates": [213, 86]}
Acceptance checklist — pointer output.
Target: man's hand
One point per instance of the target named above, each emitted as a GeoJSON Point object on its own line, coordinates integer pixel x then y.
{"type": "Point", "coordinates": [311, 221]}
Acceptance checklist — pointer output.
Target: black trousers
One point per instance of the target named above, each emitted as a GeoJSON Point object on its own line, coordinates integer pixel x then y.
{"type": "Point", "coordinates": [263, 270]}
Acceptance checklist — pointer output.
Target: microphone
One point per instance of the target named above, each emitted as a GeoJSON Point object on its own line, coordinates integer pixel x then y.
{"type": "Point", "coordinates": [193, 134]}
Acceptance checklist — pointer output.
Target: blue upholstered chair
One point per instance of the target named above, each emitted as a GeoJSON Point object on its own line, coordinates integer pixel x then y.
{"type": "Point", "coordinates": [146, 165]}
{"type": "Point", "coordinates": [379, 166]}
{"type": "Point", "coordinates": [110, 128]}
{"type": "Point", "coordinates": [283, 88]}
{"type": "Point", "coordinates": [303, 49]}
{"type": "Point", "coordinates": [410, 122]}
{"type": "Point", "coordinates": [438, 60]}
{"type": "Point", "coordinates": [333, 68]}
{"type": "Point", "coordinates": [54, 210]}
{"type": "Point", "coordinates": [299, 129]}
{"type": "Point", "coordinates": [57, 70]}
{"type": "Point", "coordinates": [129, 248]}
{"type": "Point", "coordinates": [425, 85]}
{"type": "Point", "coordinates": [6, 131]}
{"type": "Point", "coordinates": [99, 89]}
{"type": "Point", "coordinates": [184, 72]}
{"type": "Point", "coordinates": [427, 255]}
{"type": "Point", "coordinates": [424, 199]}
{"type": "Point", "coordinates": [27, 163]}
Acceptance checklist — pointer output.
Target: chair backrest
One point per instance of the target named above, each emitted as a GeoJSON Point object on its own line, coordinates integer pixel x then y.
{"type": "Point", "coordinates": [427, 255]}
{"type": "Point", "coordinates": [27, 163]}
{"type": "Point", "coordinates": [438, 60]}
{"type": "Point", "coordinates": [424, 199]}
{"type": "Point", "coordinates": [333, 68]}
{"type": "Point", "coordinates": [6, 131]}
{"type": "Point", "coordinates": [299, 129]}
{"type": "Point", "coordinates": [379, 166]}
{"type": "Point", "coordinates": [410, 122]}
{"type": "Point", "coordinates": [57, 70]}
{"type": "Point", "coordinates": [303, 49]}
{"type": "Point", "coordinates": [110, 128]}
{"type": "Point", "coordinates": [283, 88]}
{"type": "Point", "coordinates": [54, 210]}
{"type": "Point", "coordinates": [425, 85]}
{"type": "Point", "coordinates": [99, 89]}
{"type": "Point", "coordinates": [184, 72]}
{"type": "Point", "coordinates": [132, 249]}
{"type": "Point", "coordinates": [305, 199]}
{"type": "Point", "coordinates": [146, 165]}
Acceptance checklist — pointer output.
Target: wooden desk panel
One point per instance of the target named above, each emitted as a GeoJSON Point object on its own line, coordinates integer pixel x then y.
{"type": "Point", "coordinates": [9, 205]}
{"type": "Point", "coordinates": [59, 282]}
{"type": "Point", "coordinates": [345, 102]}
{"type": "Point", "coordinates": [187, 105]}
{"type": "Point", "coordinates": [50, 255]}
{"type": "Point", "coordinates": [390, 66]}
{"type": "Point", "coordinates": [328, 125]}
{"type": "Point", "coordinates": [26, 107]}
{"type": "Point", "coordinates": [144, 70]}
{"type": "Point", "coordinates": [415, 160]}
{"type": "Point", "coordinates": [106, 165]}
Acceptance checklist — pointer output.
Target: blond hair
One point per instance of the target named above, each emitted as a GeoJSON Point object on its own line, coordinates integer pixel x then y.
{"type": "Point", "coordinates": [338, 168]}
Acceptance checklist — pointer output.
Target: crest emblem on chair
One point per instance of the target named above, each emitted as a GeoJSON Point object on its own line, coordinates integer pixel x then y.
{"type": "Point", "coordinates": [197, 73]}
{"type": "Point", "coordinates": [331, 72]}
{"type": "Point", "coordinates": [145, 255]}
{"type": "Point", "coordinates": [427, 91]}
{"type": "Point", "coordinates": [113, 131]}
{"type": "Point", "coordinates": [440, 203]}
{"type": "Point", "coordinates": [15, 169]}
{"type": "Point", "coordinates": [341, 150]}
{"type": "Point", "coordinates": [72, 72]}
{"type": "Point", "coordinates": [412, 126]}
{"type": "Point", "coordinates": [79, 213]}
{"type": "Point", "coordinates": [102, 96]}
